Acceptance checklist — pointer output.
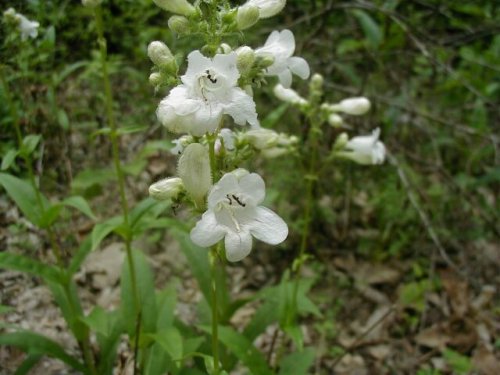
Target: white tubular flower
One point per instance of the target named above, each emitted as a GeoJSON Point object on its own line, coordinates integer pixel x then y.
{"type": "Point", "coordinates": [208, 91]}
{"type": "Point", "coordinates": [352, 106]}
{"type": "Point", "coordinates": [234, 214]}
{"type": "Point", "coordinates": [246, 58]}
{"type": "Point", "coordinates": [267, 8]}
{"type": "Point", "coordinates": [288, 95]}
{"type": "Point", "coordinates": [176, 6]}
{"type": "Point", "coordinates": [261, 138]}
{"type": "Point", "coordinates": [168, 188]}
{"type": "Point", "coordinates": [281, 45]}
{"type": "Point", "coordinates": [366, 149]}
{"type": "Point", "coordinates": [194, 169]}
{"type": "Point", "coordinates": [27, 28]}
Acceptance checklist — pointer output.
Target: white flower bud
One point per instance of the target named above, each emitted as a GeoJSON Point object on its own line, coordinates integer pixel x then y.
{"type": "Point", "coordinates": [194, 169]}
{"type": "Point", "coordinates": [341, 141]}
{"type": "Point", "coordinates": [247, 16]}
{"type": "Point", "coordinates": [352, 106]}
{"type": "Point", "coordinates": [245, 59]}
{"type": "Point", "coordinates": [91, 3]}
{"type": "Point", "coordinates": [265, 60]}
{"type": "Point", "coordinates": [159, 53]}
{"type": "Point", "coordinates": [288, 95]}
{"type": "Point", "coordinates": [225, 49]}
{"type": "Point", "coordinates": [261, 138]}
{"type": "Point", "coordinates": [155, 78]}
{"type": "Point", "coordinates": [168, 188]}
{"type": "Point", "coordinates": [335, 120]}
{"type": "Point", "coordinates": [178, 24]}
{"type": "Point", "coordinates": [176, 6]}
{"type": "Point", "coordinates": [267, 8]}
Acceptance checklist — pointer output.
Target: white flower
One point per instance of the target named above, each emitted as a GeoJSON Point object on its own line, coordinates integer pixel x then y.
{"type": "Point", "coordinates": [194, 170]}
{"type": "Point", "coordinates": [366, 149]}
{"type": "Point", "coordinates": [28, 29]}
{"type": "Point", "coordinates": [261, 138]}
{"type": "Point", "coordinates": [180, 144]}
{"type": "Point", "coordinates": [168, 188]}
{"type": "Point", "coordinates": [288, 95]}
{"type": "Point", "coordinates": [234, 214]}
{"type": "Point", "coordinates": [207, 92]}
{"type": "Point", "coordinates": [247, 16]}
{"type": "Point", "coordinates": [176, 6]}
{"type": "Point", "coordinates": [267, 8]}
{"type": "Point", "coordinates": [352, 106]}
{"type": "Point", "coordinates": [281, 46]}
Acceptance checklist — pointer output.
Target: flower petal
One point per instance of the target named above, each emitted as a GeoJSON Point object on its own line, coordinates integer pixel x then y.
{"type": "Point", "coordinates": [226, 65]}
{"type": "Point", "coordinates": [253, 186]}
{"type": "Point", "coordinates": [241, 108]}
{"type": "Point", "coordinates": [285, 78]}
{"type": "Point", "coordinates": [287, 42]}
{"type": "Point", "coordinates": [207, 231]}
{"type": "Point", "coordinates": [226, 185]}
{"type": "Point", "coordinates": [238, 245]}
{"type": "Point", "coordinates": [197, 63]}
{"type": "Point", "coordinates": [268, 227]}
{"type": "Point", "coordinates": [299, 66]}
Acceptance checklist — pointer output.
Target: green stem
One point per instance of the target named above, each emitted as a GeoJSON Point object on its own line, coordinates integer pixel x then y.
{"type": "Point", "coordinates": [56, 250]}
{"type": "Point", "coordinates": [215, 312]}
{"type": "Point", "coordinates": [101, 40]}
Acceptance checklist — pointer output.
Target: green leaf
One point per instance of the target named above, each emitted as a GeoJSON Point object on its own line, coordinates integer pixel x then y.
{"type": "Point", "coordinates": [274, 116]}
{"type": "Point", "coordinates": [101, 230]}
{"type": "Point", "coordinates": [81, 205]}
{"type": "Point", "coordinates": [29, 144]}
{"type": "Point", "coordinates": [145, 295]}
{"type": "Point", "coordinates": [62, 119]}
{"type": "Point", "coordinates": [265, 315]}
{"type": "Point", "coordinates": [166, 301]}
{"type": "Point", "coordinates": [79, 257]}
{"type": "Point", "coordinates": [89, 178]}
{"type": "Point", "coordinates": [97, 321]}
{"type": "Point", "coordinates": [458, 362]}
{"type": "Point", "coordinates": [171, 341]}
{"type": "Point", "coordinates": [240, 346]}
{"type": "Point", "coordinates": [28, 364]}
{"type": "Point", "coordinates": [21, 263]}
{"type": "Point", "coordinates": [8, 159]}
{"type": "Point", "coordinates": [23, 194]}
{"type": "Point", "coordinates": [33, 343]}
{"type": "Point", "coordinates": [297, 363]}
{"type": "Point", "coordinates": [371, 29]}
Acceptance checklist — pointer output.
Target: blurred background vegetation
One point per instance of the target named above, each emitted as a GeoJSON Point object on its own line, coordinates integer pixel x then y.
{"type": "Point", "coordinates": [431, 69]}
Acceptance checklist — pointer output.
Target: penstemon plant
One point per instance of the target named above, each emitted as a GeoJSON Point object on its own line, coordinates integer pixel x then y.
{"type": "Point", "coordinates": [211, 107]}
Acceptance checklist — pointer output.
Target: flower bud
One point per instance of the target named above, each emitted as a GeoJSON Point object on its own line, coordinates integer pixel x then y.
{"type": "Point", "coordinates": [265, 60]}
{"type": "Point", "coordinates": [341, 141]}
{"type": "Point", "coordinates": [352, 106]}
{"type": "Point", "coordinates": [288, 95]}
{"type": "Point", "coordinates": [317, 82]}
{"type": "Point", "coordinates": [155, 79]}
{"type": "Point", "coordinates": [194, 169]}
{"type": "Point", "coordinates": [168, 188]}
{"type": "Point", "coordinates": [261, 138]}
{"type": "Point", "coordinates": [247, 16]}
{"type": "Point", "coordinates": [159, 53]}
{"type": "Point", "coordinates": [178, 24]}
{"type": "Point", "coordinates": [245, 59]}
{"type": "Point", "coordinates": [176, 6]}
{"type": "Point", "coordinates": [267, 8]}
{"type": "Point", "coordinates": [225, 49]}
{"type": "Point", "coordinates": [91, 3]}
{"type": "Point", "coordinates": [335, 120]}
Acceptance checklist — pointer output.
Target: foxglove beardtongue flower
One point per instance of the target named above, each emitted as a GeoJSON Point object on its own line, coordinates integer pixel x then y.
{"type": "Point", "coordinates": [288, 95]}
{"type": "Point", "coordinates": [247, 16]}
{"type": "Point", "coordinates": [194, 170]}
{"type": "Point", "coordinates": [176, 6]}
{"type": "Point", "coordinates": [235, 215]}
{"type": "Point", "coordinates": [168, 188]}
{"type": "Point", "coordinates": [352, 106]}
{"type": "Point", "coordinates": [208, 91]}
{"type": "Point", "coordinates": [281, 46]}
{"type": "Point", "coordinates": [366, 149]}
{"type": "Point", "coordinates": [27, 28]}
{"type": "Point", "coordinates": [267, 8]}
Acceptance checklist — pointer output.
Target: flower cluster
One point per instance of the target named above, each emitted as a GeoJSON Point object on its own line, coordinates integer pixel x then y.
{"type": "Point", "coordinates": [215, 92]}
{"type": "Point", "coordinates": [27, 28]}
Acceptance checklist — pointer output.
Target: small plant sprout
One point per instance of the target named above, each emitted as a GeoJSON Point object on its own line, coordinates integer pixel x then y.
{"type": "Point", "coordinates": [208, 91]}
{"type": "Point", "coordinates": [234, 214]}
{"type": "Point", "coordinates": [280, 45]}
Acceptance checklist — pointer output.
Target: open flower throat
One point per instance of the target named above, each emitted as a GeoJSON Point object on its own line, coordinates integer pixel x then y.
{"type": "Point", "coordinates": [235, 215]}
